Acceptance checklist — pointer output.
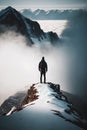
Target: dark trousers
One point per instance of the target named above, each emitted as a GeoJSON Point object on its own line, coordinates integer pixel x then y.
{"type": "Point", "coordinates": [42, 75]}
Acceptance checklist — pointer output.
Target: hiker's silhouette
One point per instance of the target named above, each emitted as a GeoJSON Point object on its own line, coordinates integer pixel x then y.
{"type": "Point", "coordinates": [43, 69]}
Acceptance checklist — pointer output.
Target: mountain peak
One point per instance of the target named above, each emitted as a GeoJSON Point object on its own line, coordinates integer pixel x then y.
{"type": "Point", "coordinates": [10, 8]}
{"type": "Point", "coordinates": [10, 17]}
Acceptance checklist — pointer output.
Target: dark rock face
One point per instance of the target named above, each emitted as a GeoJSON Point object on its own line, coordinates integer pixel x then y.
{"type": "Point", "coordinates": [11, 19]}
{"type": "Point", "coordinates": [12, 101]}
{"type": "Point", "coordinates": [31, 96]}
{"type": "Point", "coordinates": [19, 100]}
{"type": "Point", "coordinates": [53, 37]}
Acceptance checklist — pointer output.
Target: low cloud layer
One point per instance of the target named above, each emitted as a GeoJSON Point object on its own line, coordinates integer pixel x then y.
{"type": "Point", "coordinates": [74, 38]}
{"type": "Point", "coordinates": [67, 64]}
{"type": "Point", "coordinates": [19, 64]}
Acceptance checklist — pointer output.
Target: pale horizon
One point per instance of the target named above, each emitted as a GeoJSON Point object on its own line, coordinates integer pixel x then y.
{"type": "Point", "coordinates": [46, 4]}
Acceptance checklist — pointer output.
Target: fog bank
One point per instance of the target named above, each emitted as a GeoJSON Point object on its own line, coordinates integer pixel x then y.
{"type": "Point", "coordinates": [19, 64]}
{"type": "Point", "coordinates": [74, 39]}
{"type": "Point", "coordinates": [67, 64]}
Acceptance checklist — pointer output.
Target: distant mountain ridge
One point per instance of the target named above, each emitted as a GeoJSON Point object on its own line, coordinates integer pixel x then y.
{"type": "Point", "coordinates": [11, 19]}
{"type": "Point", "coordinates": [40, 14]}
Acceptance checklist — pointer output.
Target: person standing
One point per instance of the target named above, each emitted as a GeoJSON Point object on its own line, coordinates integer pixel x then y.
{"type": "Point", "coordinates": [43, 68]}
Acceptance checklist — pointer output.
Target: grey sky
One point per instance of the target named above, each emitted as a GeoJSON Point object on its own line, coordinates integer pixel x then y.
{"type": "Point", "coordinates": [44, 3]}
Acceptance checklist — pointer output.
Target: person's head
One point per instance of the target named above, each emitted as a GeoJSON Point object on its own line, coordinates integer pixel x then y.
{"type": "Point", "coordinates": [43, 58]}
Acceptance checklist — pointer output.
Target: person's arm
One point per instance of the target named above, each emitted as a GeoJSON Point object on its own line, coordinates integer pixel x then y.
{"type": "Point", "coordinates": [39, 67]}
{"type": "Point", "coordinates": [46, 67]}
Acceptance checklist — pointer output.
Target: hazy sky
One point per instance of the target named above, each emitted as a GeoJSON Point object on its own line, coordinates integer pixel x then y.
{"type": "Point", "coordinates": [44, 3]}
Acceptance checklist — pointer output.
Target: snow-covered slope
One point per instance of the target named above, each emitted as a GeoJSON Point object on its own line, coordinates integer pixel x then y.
{"type": "Point", "coordinates": [11, 19]}
{"type": "Point", "coordinates": [43, 107]}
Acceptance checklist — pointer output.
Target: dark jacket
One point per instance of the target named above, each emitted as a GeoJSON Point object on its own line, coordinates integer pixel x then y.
{"type": "Point", "coordinates": [43, 66]}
